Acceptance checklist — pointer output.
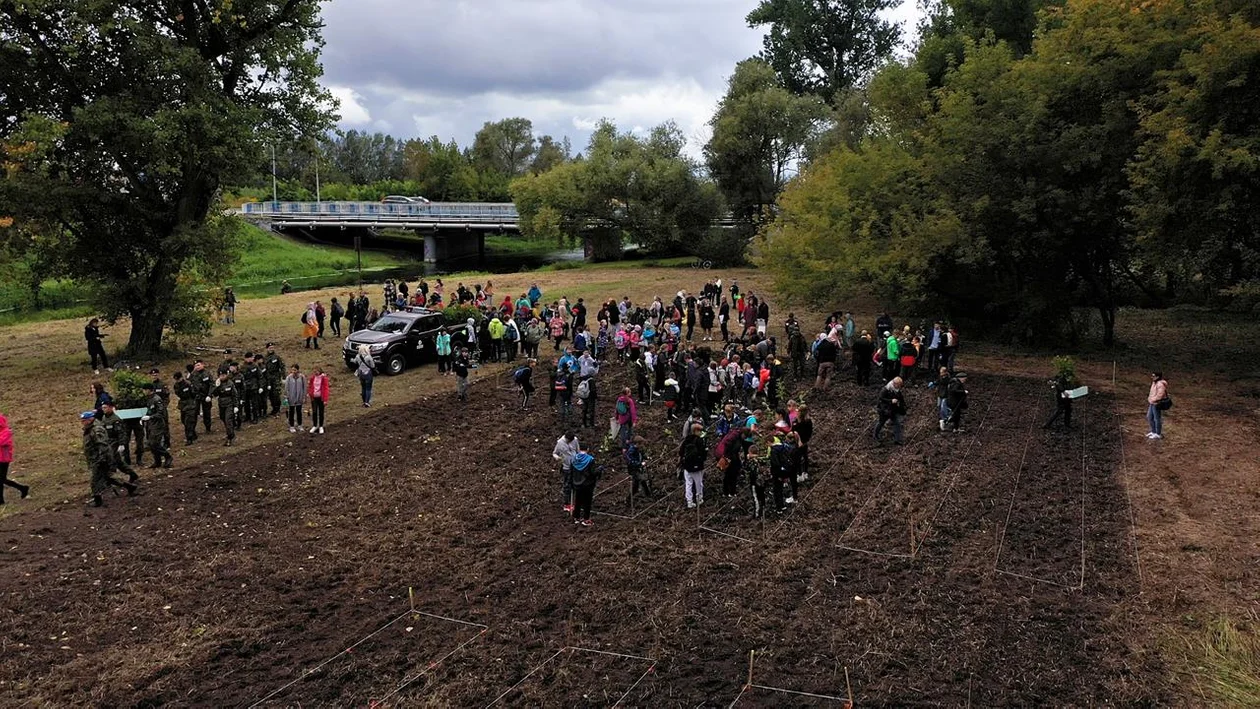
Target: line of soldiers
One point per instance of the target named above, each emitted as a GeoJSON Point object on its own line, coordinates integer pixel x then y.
{"type": "Point", "coordinates": [244, 392]}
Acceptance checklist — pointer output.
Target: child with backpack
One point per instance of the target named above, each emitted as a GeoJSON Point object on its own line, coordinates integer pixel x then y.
{"type": "Point", "coordinates": [669, 395]}
{"type": "Point", "coordinates": [587, 395]}
{"type": "Point", "coordinates": [635, 461]}
{"type": "Point", "coordinates": [564, 393]}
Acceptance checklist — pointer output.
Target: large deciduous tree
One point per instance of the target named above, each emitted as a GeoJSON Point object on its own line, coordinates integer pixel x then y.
{"type": "Point", "coordinates": [643, 189]}
{"type": "Point", "coordinates": [760, 133]}
{"type": "Point", "coordinates": [1196, 176]}
{"type": "Point", "coordinates": [121, 120]}
{"type": "Point", "coordinates": [825, 47]}
{"type": "Point", "coordinates": [504, 147]}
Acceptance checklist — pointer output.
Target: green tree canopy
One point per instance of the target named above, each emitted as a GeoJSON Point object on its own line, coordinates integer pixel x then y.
{"type": "Point", "coordinates": [644, 189]}
{"type": "Point", "coordinates": [825, 47]}
{"type": "Point", "coordinates": [760, 134]}
{"type": "Point", "coordinates": [1122, 145]}
{"type": "Point", "coordinates": [122, 119]}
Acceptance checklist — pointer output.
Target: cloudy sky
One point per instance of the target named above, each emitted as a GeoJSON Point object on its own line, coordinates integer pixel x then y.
{"type": "Point", "coordinates": [415, 68]}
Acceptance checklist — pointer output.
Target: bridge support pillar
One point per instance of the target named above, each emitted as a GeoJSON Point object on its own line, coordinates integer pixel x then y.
{"type": "Point", "coordinates": [440, 247]}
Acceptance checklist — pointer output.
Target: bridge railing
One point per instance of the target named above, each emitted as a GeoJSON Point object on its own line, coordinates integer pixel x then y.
{"type": "Point", "coordinates": [467, 210]}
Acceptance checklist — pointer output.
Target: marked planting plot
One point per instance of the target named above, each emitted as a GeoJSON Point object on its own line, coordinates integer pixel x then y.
{"type": "Point", "coordinates": [580, 677]}
{"type": "Point", "coordinates": [759, 691]}
{"type": "Point", "coordinates": [394, 658]}
{"type": "Point", "coordinates": [900, 512]}
{"type": "Point", "coordinates": [1043, 537]}
{"type": "Point", "coordinates": [834, 436]}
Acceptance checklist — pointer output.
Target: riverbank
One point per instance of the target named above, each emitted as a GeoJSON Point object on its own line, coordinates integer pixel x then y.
{"type": "Point", "coordinates": [268, 259]}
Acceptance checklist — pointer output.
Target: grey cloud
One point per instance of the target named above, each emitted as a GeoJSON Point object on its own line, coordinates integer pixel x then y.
{"type": "Point", "coordinates": [543, 46]}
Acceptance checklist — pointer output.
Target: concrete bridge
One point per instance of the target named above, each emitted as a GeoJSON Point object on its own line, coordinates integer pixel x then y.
{"type": "Point", "coordinates": [451, 230]}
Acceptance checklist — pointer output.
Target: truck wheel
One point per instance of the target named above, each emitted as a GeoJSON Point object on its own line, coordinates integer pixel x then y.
{"type": "Point", "coordinates": [395, 364]}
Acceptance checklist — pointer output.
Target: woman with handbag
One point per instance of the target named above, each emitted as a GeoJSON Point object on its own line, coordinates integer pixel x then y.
{"type": "Point", "coordinates": [1157, 402]}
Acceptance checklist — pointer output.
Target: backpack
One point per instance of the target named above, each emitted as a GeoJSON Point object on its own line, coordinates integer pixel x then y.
{"type": "Point", "coordinates": [303, 318]}
{"type": "Point", "coordinates": [509, 334]}
{"type": "Point", "coordinates": [695, 454]}
{"type": "Point", "coordinates": [520, 375]}
{"type": "Point", "coordinates": [622, 407]}
{"type": "Point", "coordinates": [584, 389]}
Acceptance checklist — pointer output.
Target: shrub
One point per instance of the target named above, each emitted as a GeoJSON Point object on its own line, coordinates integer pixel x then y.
{"type": "Point", "coordinates": [1065, 366]}
{"type": "Point", "coordinates": [127, 391]}
{"type": "Point", "coordinates": [459, 314]}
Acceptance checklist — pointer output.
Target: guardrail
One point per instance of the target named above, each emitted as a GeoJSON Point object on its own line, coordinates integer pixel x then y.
{"type": "Point", "coordinates": [449, 210]}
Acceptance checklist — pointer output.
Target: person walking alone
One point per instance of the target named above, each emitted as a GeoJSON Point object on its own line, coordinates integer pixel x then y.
{"type": "Point", "coordinates": [295, 394]}
{"type": "Point", "coordinates": [6, 459]}
{"type": "Point", "coordinates": [337, 312]}
{"type": "Point", "coordinates": [96, 349]}
{"type": "Point", "coordinates": [460, 367]}
{"type": "Point", "coordinates": [1062, 402]}
{"type": "Point", "coordinates": [365, 370]}
{"type": "Point", "coordinates": [892, 407]}
{"type": "Point", "coordinates": [1157, 402]}
{"type": "Point", "coordinates": [310, 327]}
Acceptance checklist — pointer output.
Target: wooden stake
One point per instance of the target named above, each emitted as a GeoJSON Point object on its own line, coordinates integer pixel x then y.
{"type": "Point", "coordinates": [411, 595]}
{"type": "Point", "coordinates": [848, 687]}
{"type": "Point", "coordinates": [750, 666]}
{"type": "Point", "coordinates": [1113, 376]}
{"type": "Point", "coordinates": [910, 527]}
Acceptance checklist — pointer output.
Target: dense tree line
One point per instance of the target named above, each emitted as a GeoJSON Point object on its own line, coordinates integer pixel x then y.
{"type": "Point", "coordinates": [1032, 157]}
{"type": "Point", "coordinates": [357, 166]}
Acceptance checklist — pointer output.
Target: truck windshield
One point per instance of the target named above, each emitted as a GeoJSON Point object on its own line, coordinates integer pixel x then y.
{"type": "Point", "coordinates": [391, 324]}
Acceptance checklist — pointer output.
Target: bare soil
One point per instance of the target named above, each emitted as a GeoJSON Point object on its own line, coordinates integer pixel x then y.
{"type": "Point", "coordinates": [283, 574]}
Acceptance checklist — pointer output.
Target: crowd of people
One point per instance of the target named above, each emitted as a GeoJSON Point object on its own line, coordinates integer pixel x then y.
{"type": "Point", "coordinates": [238, 393]}
{"type": "Point", "coordinates": [711, 359]}
{"type": "Point", "coordinates": [708, 359]}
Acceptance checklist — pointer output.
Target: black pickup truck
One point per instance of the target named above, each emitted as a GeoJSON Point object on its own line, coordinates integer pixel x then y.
{"type": "Point", "coordinates": [397, 340]}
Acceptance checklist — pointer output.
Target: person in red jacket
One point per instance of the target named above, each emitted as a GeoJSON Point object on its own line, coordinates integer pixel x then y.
{"type": "Point", "coordinates": [6, 458]}
{"type": "Point", "coordinates": [318, 391]}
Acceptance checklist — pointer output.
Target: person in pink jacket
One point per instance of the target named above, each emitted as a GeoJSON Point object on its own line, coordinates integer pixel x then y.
{"type": "Point", "coordinates": [6, 458]}
{"type": "Point", "coordinates": [318, 390]}
{"type": "Point", "coordinates": [627, 416]}
{"type": "Point", "coordinates": [1156, 402]}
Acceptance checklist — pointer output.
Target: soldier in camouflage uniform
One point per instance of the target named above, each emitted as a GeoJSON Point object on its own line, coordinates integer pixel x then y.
{"type": "Point", "coordinates": [99, 452]}
{"type": "Point", "coordinates": [260, 392]}
{"type": "Point", "coordinates": [160, 388]}
{"type": "Point", "coordinates": [202, 383]}
{"type": "Point", "coordinates": [238, 385]}
{"type": "Point", "coordinates": [116, 429]}
{"type": "Point", "coordinates": [155, 428]}
{"type": "Point", "coordinates": [225, 391]}
{"type": "Point", "coordinates": [275, 378]}
{"type": "Point", "coordinates": [189, 405]}
{"type": "Point", "coordinates": [253, 384]}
